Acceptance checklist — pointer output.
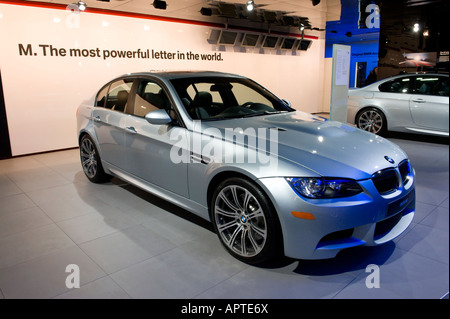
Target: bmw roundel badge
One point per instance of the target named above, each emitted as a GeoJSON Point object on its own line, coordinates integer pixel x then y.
{"type": "Point", "coordinates": [389, 159]}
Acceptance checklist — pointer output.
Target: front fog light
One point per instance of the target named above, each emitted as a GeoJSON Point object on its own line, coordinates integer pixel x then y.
{"type": "Point", "coordinates": [313, 187]}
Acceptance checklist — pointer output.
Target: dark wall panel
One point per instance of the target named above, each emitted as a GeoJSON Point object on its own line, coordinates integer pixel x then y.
{"type": "Point", "coordinates": [5, 145]}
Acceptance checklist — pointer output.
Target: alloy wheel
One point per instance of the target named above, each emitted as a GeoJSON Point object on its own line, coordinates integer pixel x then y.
{"type": "Point", "coordinates": [371, 121]}
{"type": "Point", "coordinates": [88, 157]}
{"type": "Point", "coordinates": [240, 221]}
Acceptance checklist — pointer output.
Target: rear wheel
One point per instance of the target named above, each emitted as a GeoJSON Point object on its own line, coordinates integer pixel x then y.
{"type": "Point", "coordinates": [372, 120]}
{"type": "Point", "coordinates": [245, 221]}
{"type": "Point", "coordinates": [90, 161]}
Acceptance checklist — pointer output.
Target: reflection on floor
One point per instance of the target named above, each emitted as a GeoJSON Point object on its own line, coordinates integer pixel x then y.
{"type": "Point", "coordinates": [129, 244]}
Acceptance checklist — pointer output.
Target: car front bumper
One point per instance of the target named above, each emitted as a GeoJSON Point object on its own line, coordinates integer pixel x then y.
{"type": "Point", "coordinates": [335, 224]}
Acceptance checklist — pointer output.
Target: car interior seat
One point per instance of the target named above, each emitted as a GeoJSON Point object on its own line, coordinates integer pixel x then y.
{"type": "Point", "coordinates": [122, 99]}
{"type": "Point", "coordinates": [200, 106]}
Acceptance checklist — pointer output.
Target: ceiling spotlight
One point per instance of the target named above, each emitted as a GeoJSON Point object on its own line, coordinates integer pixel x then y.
{"type": "Point", "coordinates": [81, 5]}
{"type": "Point", "coordinates": [250, 5]}
{"type": "Point", "coordinates": [158, 4]}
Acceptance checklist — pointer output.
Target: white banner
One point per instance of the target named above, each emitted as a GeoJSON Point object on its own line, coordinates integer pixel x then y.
{"type": "Point", "coordinates": [52, 59]}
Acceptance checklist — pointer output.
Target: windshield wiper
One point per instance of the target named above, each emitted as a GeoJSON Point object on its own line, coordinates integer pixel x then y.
{"type": "Point", "coordinates": [263, 113]}
{"type": "Point", "coordinates": [240, 116]}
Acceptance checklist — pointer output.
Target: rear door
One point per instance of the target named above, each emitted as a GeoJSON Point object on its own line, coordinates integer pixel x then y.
{"type": "Point", "coordinates": [429, 104]}
{"type": "Point", "coordinates": [394, 98]}
{"type": "Point", "coordinates": [109, 120]}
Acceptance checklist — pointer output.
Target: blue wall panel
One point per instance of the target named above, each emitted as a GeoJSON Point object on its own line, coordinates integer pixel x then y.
{"type": "Point", "coordinates": [358, 29]}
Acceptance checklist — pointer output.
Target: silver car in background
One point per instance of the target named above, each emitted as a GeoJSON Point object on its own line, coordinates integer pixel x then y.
{"type": "Point", "coordinates": [272, 180]}
{"type": "Point", "coordinates": [414, 103]}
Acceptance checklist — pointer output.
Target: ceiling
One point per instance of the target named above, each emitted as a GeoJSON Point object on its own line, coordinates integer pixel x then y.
{"type": "Point", "coordinates": [326, 10]}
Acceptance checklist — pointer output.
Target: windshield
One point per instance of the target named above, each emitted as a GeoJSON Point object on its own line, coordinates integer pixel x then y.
{"type": "Point", "coordinates": [218, 98]}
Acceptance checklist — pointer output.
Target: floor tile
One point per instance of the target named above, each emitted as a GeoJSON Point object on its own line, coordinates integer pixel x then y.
{"type": "Point", "coordinates": [422, 211]}
{"type": "Point", "coordinates": [103, 288]}
{"type": "Point", "coordinates": [404, 275]}
{"type": "Point", "coordinates": [22, 221]}
{"type": "Point", "coordinates": [173, 274]}
{"type": "Point", "coordinates": [45, 277]}
{"type": "Point", "coordinates": [21, 247]}
{"type": "Point", "coordinates": [15, 203]}
{"type": "Point", "coordinates": [19, 164]}
{"type": "Point", "coordinates": [125, 248]}
{"type": "Point", "coordinates": [176, 229]}
{"type": "Point", "coordinates": [426, 241]}
{"type": "Point", "coordinates": [358, 289]}
{"type": "Point", "coordinates": [438, 218]}
{"type": "Point", "coordinates": [95, 225]}
{"type": "Point", "coordinates": [8, 187]}
{"type": "Point", "coordinates": [35, 179]}
{"type": "Point", "coordinates": [279, 283]}
{"type": "Point", "coordinates": [65, 202]}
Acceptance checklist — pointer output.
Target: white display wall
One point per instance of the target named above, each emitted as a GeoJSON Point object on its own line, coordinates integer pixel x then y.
{"type": "Point", "coordinates": [53, 59]}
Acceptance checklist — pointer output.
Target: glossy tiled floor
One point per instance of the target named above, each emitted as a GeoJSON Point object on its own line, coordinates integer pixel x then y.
{"type": "Point", "coordinates": [129, 244]}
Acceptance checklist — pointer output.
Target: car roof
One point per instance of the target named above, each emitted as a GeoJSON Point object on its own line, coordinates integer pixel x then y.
{"type": "Point", "coordinates": [420, 74]}
{"type": "Point", "coordinates": [403, 75]}
{"type": "Point", "coordinates": [170, 75]}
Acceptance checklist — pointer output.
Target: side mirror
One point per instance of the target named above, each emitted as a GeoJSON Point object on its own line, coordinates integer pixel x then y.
{"type": "Point", "coordinates": [287, 102]}
{"type": "Point", "coordinates": [158, 117]}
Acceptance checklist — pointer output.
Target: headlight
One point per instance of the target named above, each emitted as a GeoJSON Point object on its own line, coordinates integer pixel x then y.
{"type": "Point", "coordinates": [312, 187]}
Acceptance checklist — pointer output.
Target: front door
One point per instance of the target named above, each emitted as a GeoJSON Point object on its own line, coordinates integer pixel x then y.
{"type": "Point", "coordinates": [149, 146]}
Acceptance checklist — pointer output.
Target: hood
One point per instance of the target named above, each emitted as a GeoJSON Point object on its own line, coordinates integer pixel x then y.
{"type": "Point", "coordinates": [328, 148]}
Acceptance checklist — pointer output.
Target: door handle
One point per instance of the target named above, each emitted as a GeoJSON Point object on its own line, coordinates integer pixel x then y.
{"type": "Point", "coordinates": [131, 130]}
{"type": "Point", "coordinates": [419, 100]}
{"type": "Point", "coordinates": [97, 119]}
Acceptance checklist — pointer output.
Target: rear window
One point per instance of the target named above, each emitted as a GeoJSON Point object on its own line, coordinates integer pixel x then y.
{"type": "Point", "coordinates": [401, 85]}
{"type": "Point", "coordinates": [101, 96]}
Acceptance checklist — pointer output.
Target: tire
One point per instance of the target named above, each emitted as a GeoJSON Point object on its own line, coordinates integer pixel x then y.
{"type": "Point", "coordinates": [245, 221]}
{"type": "Point", "coordinates": [372, 120]}
{"type": "Point", "coordinates": [90, 161]}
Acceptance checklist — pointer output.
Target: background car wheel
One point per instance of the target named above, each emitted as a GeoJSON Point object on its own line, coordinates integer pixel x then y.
{"type": "Point", "coordinates": [90, 161]}
{"type": "Point", "coordinates": [245, 221]}
{"type": "Point", "coordinates": [372, 120]}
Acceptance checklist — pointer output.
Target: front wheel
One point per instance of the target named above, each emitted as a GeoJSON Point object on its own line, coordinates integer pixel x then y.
{"type": "Point", "coordinates": [372, 120]}
{"type": "Point", "coordinates": [90, 161]}
{"type": "Point", "coordinates": [245, 221]}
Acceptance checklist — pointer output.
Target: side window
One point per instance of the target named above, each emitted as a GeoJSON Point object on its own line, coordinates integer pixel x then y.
{"type": "Point", "coordinates": [425, 85]}
{"type": "Point", "coordinates": [401, 85]}
{"type": "Point", "coordinates": [101, 96]}
{"type": "Point", "coordinates": [442, 87]}
{"type": "Point", "coordinates": [118, 94]}
{"type": "Point", "coordinates": [431, 85]}
{"type": "Point", "coordinates": [149, 97]}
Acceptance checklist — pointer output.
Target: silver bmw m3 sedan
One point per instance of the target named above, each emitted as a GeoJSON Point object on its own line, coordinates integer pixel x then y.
{"type": "Point", "coordinates": [272, 180]}
{"type": "Point", "coordinates": [410, 103]}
